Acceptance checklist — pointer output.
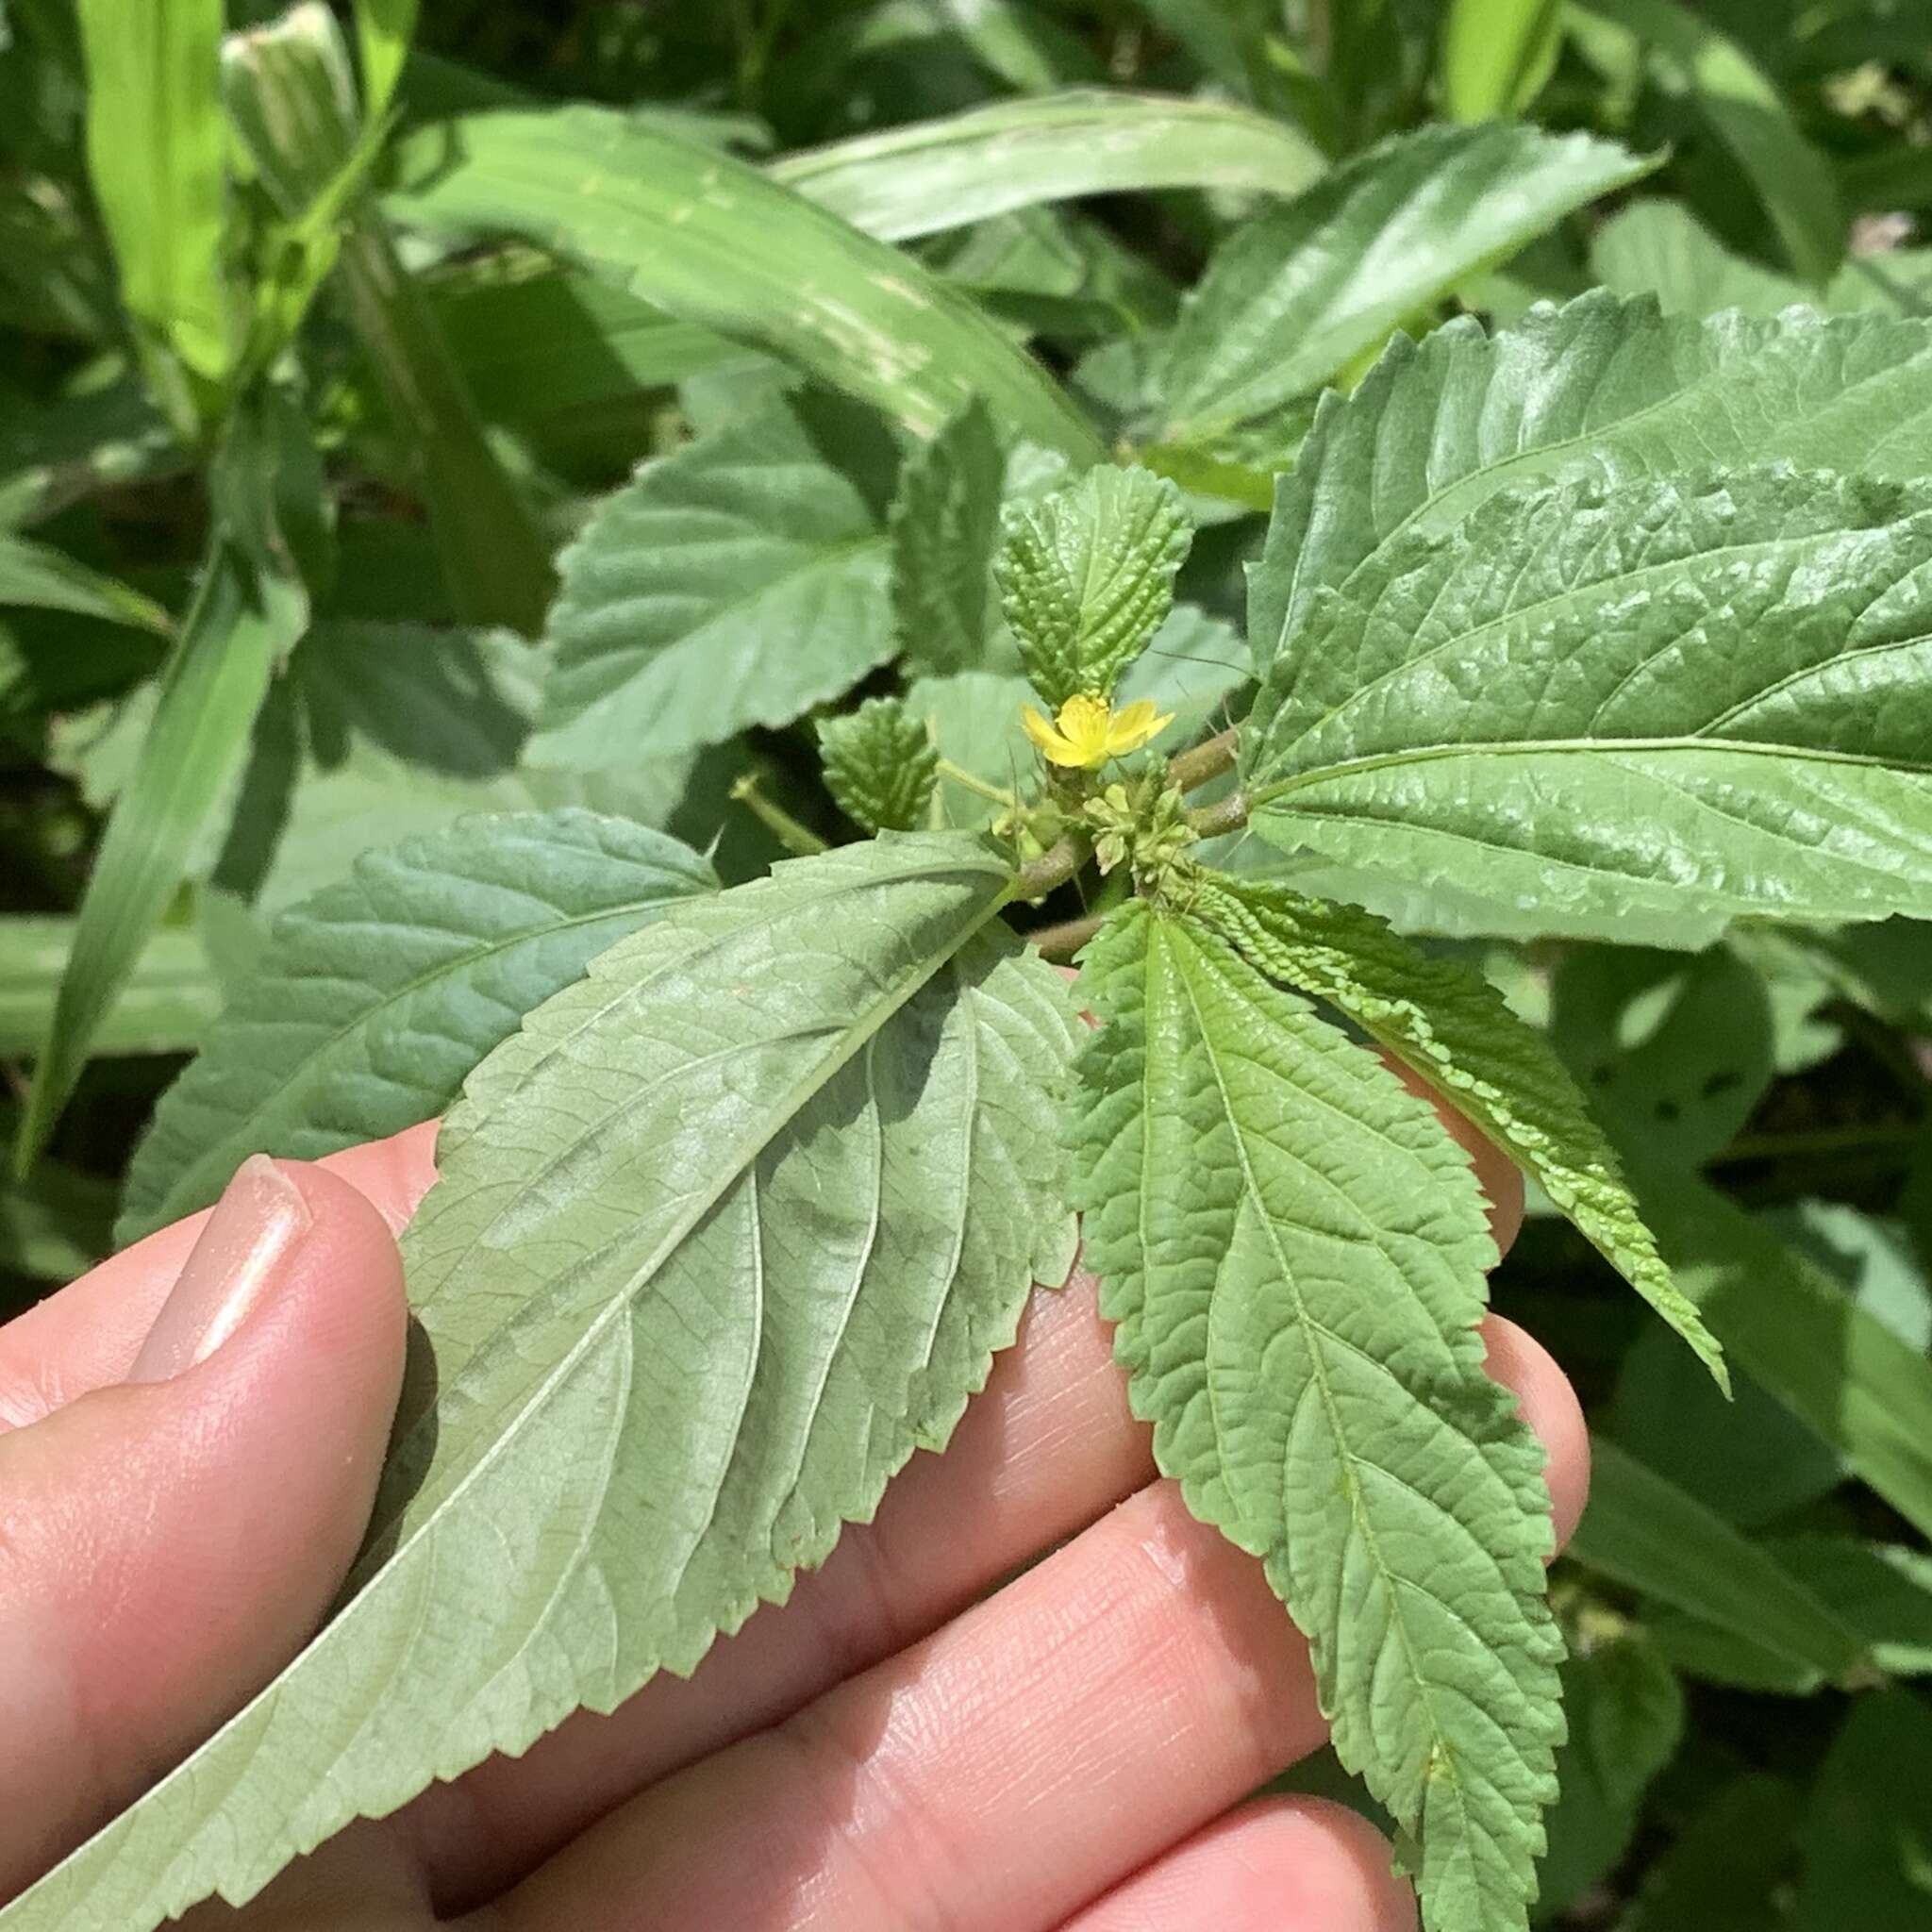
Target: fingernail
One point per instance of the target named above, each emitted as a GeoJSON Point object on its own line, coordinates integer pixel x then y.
{"type": "Point", "coordinates": [257, 1224]}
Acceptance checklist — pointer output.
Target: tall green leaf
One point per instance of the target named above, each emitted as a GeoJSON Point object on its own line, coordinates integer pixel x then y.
{"type": "Point", "coordinates": [1600, 387]}
{"type": "Point", "coordinates": [292, 100]}
{"type": "Point", "coordinates": [1294, 296]}
{"type": "Point", "coordinates": [376, 998]}
{"type": "Point", "coordinates": [1646, 1533]}
{"type": "Point", "coordinates": [38, 575]}
{"type": "Point", "coordinates": [944, 174]}
{"type": "Point", "coordinates": [1448, 1024]}
{"type": "Point", "coordinates": [1293, 1249]}
{"type": "Point", "coordinates": [741, 1217]}
{"type": "Point", "coordinates": [155, 149]}
{"type": "Point", "coordinates": [383, 31]}
{"type": "Point", "coordinates": [738, 582]}
{"type": "Point", "coordinates": [1833, 1364]}
{"type": "Point", "coordinates": [169, 1000]}
{"type": "Point", "coordinates": [1703, 695]}
{"type": "Point", "coordinates": [712, 240]}
{"type": "Point", "coordinates": [249, 609]}
{"type": "Point", "coordinates": [1497, 55]}
{"type": "Point", "coordinates": [1689, 56]}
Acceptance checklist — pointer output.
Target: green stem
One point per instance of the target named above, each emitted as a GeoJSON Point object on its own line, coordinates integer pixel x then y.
{"type": "Point", "coordinates": [1054, 867]}
{"type": "Point", "coordinates": [794, 837]}
{"type": "Point", "coordinates": [959, 775]}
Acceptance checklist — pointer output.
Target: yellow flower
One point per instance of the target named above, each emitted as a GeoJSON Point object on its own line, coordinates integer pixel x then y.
{"type": "Point", "coordinates": [1088, 731]}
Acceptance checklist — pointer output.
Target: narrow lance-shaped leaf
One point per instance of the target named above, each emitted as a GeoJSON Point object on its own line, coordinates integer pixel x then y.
{"type": "Point", "coordinates": [1294, 296]}
{"type": "Point", "coordinates": [1293, 1249]}
{"type": "Point", "coordinates": [1497, 55]}
{"type": "Point", "coordinates": [1450, 1026]}
{"type": "Point", "coordinates": [294, 103]}
{"type": "Point", "coordinates": [712, 241]}
{"type": "Point", "coordinates": [739, 1218]}
{"type": "Point", "coordinates": [1085, 576]}
{"type": "Point", "coordinates": [739, 581]}
{"type": "Point", "coordinates": [383, 31]}
{"type": "Point", "coordinates": [1795, 1331]}
{"type": "Point", "coordinates": [1642, 1531]}
{"type": "Point", "coordinates": [944, 174]}
{"type": "Point", "coordinates": [38, 575]}
{"type": "Point", "coordinates": [155, 140]}
{"type": "Point", "coordinates": [248, 612]}
{"type": "Point", "coordinates": [1600, 387]}
{"type": "Point", "coordinates": [1704, 697]}
{"type": "Point", "coordinates": [376, 998]}
{"type": "Point", "coordinates": [167, 1004]}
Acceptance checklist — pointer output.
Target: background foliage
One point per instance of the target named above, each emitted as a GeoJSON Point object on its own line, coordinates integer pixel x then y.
{"type": "Point", "coordinates": [323, 525]}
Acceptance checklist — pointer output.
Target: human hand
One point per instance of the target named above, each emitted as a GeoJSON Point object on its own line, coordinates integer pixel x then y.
{"type": "Point", "coordinates": [895, 1748]}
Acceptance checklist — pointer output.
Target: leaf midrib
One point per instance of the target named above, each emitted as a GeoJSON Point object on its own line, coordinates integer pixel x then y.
{"type": "Point", "coordinates": [1585, 747]}
{"type": "Point", "coordinates": [1582, 594]}
{"type": "Point", "coordinates": [1441, 1752]}
{"type": "Point", "coordinates": [853, 1037]}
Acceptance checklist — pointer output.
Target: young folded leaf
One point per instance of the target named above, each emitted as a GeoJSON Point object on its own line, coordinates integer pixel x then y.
{"type": "Point", "coordinates": [1602, 387]}
{"type": "Point", "coordinates": [880, 765]}
{"type": "Point", "coordinates": [1451, 1025]}
{"type": "Point", "coordinates": [732, 1228]}
{"type": "Point", "coordinates": [1086, 577]}
{"type": "Point", "coordinates": [1293, 1249]}
{"type": "Point", "coordinates": [376, 996]}
{"type": "Point", "coordinates": [944, 523]}
{"type": "Point", "coordinates": [1704, 696]}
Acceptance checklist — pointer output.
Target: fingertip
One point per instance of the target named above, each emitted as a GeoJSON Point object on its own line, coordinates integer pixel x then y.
{"type": "Point", "coordinates": [1548, 1403]}
{"type": "Point", "coordinates": [1289, 1864]}
{"type": "Point", "coordinates": [394, 1173]}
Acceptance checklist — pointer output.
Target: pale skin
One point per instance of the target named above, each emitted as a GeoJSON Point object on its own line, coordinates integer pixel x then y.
{"type": "Point", "coordinates": [908, 1746]}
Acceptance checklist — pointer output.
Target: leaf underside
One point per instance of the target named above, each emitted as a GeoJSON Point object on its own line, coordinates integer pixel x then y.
{"type": "Point", "coordinates": [378, 996]}
{"type": "Point", "coordinates": [1294, 1250]}
{"type": "Point", "coordinates": [727, 1231]}
{"type": "Point", "coordinates": [1452, 1027]}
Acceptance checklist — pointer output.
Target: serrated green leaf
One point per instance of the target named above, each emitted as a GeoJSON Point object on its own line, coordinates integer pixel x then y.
{"type": "Point", "coordinates": [1599, 387]}
{"type": "Point", "coordinates": [47, 579]}
{"type": "Point", "coordinates": [1085, 576]}
{"type": "Point", "coordinates": [1451, 1025]}
{"type": "Point", "coordinates": [375, 999]}
{"type": "Point", "coordinates": [1660, 248]}
{"type": "Point", "coordinates": [1294, 1250]}
{"type": "Point", "coordinates": [739, 582]}
{"type": "Point", "coordinates": [1703, 694]}
{"type": "Point", "coordinates": [742, 1216]}
{"type": "Point", "coordinates": [961, 168]}
{"type": "Point", "coordinates": [1294, 295]}
{"type": "Point", "coordinates": [712, 241]}
{"type": "Point", "coordinates": [1689, 56]}
{"type": "Point", "coordinates": [880, 765]}
{"type": "Point", "coordinates": [944, 523]}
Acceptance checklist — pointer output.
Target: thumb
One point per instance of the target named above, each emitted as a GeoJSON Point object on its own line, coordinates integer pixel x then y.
{"type": "Point", "coordinates": [167, 1543]}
